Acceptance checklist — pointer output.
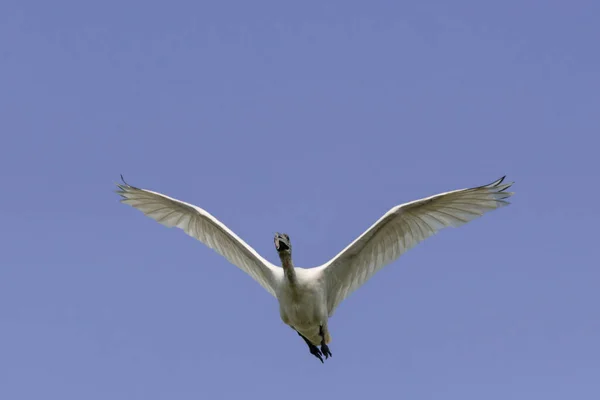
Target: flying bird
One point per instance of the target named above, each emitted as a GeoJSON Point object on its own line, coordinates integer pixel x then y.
{"type": "Point", "coordinates": [308, 297]}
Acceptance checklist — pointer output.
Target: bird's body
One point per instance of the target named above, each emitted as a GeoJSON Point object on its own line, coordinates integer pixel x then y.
{"type": "Point", "coordinates": [308, 297]}
{"type": "Point", "coordinates": [303, 305]}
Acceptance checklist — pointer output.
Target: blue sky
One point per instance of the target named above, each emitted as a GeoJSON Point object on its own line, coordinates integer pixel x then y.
{"type": "Point", "coordinates": [311, 118]}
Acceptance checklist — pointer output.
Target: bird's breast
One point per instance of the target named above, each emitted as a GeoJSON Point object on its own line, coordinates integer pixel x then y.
{"type": "Point", "coordinates": [301, 306]}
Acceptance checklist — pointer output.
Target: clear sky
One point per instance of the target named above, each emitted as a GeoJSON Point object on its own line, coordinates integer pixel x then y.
{"type": "Point", "coordinates": [310, 118]}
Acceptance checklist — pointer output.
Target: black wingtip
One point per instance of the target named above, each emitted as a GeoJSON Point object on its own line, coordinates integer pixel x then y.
{"type": "Point", "coordinates": [507, 187]}
{"type": "Point", "coordinates": [123, 180]}
{"type": "Point", "coordinates": [494, 184]}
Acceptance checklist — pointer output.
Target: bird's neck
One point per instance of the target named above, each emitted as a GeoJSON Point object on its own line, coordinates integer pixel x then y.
{"type": "Point", "coordinates": [288, 267]}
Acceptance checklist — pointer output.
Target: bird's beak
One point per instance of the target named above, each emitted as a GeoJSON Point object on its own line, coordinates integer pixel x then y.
{"type": "Point", "coordinates": [281, 244]}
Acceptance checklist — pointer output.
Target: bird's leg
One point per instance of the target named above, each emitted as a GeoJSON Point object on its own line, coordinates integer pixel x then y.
{"type": "Point", "coordinates": [324, 348]}
{"type": "Point", "coordinates": [314, 350]}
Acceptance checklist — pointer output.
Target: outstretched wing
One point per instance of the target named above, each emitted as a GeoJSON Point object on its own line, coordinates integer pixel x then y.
{"type": "Point", "coordinates": [402, 228]}
{"type": "Point", "coordinates": [201, 225]}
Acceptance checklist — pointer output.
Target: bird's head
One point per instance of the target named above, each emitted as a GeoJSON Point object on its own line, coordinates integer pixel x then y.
{"type": "Point", "coordinates": [282, 243]}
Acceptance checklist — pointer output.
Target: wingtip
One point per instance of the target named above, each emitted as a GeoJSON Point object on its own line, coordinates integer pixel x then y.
{"type": "Point", "coordinates": [499, 181]}
{"type": "Point", "coordinates": [498, 184]}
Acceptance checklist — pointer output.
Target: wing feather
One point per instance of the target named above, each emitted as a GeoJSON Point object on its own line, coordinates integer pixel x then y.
{"type": "Point", "coordinates": [402, 228]}
{"type": "Point", "coordinates": [204, 227]}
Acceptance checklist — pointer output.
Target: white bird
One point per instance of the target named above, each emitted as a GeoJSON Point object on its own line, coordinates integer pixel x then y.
{"type": "Point", "coordinates": [308, 297]}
